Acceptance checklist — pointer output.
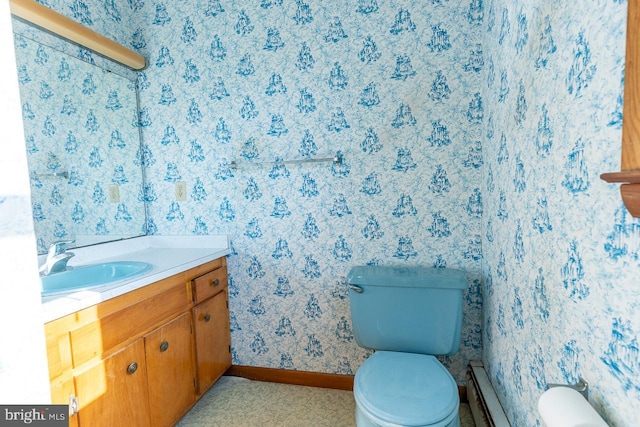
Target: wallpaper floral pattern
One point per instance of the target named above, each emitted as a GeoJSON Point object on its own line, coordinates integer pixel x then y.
{"type": "Point", "coordinates": [388, 87]}
{"type": "Point", "coordinates": [472, 135]}
{"type": "Point", "coordinates": [560, 269]}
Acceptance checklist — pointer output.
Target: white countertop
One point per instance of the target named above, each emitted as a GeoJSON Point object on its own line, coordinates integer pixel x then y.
{"type": "Point", "coordinates": [169, 255]}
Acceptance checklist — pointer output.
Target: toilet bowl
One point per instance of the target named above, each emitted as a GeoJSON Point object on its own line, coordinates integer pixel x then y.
{"type": "Point", "coordinates": [405, 389]}
{"type": "Point", "coordinates": [407, 315]}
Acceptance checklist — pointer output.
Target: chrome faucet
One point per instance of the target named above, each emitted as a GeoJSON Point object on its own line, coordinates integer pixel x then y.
{"type": "Point", "coordinates": [57, 258]}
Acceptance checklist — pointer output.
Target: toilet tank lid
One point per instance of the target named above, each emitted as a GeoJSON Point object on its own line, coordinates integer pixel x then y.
{"type": "Point", "coordinates": [418, 277]}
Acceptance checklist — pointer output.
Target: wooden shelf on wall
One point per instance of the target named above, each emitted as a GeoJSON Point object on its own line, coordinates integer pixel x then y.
{"type": "Point", "coordinates": [629, 190]}
{"type": "Point", "coordinates": [629, 176]}
{"type": "Point", "coordinates": [632, 177]}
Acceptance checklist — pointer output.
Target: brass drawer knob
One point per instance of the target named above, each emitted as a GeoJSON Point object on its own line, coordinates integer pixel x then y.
{"type": "Point", "coordinates": [215, 282]}
{"type": "Point", "coordinates": [132, 368]}
{"type": "Point", "coordinates": [164, 346]}
{"type": "Point", "coordinates": [207, 317]}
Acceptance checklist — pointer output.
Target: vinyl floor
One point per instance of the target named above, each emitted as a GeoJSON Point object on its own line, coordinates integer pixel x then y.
{"type": "Point", "coordinates": [238, 402]}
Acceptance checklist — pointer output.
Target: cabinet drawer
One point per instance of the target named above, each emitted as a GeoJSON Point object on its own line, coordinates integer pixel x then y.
{"type": "Point", "coordinates": [101, 336]}
{"type": "Point", "coordinates": [209, 284]}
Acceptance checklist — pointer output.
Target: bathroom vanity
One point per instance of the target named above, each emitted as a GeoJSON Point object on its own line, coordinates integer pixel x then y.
{"type": "Point", "coordinates": [145, 356]}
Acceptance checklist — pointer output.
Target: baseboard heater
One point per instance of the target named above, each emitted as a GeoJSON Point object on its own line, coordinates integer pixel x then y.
{"type": "Point", "coordinates": [483, 401]}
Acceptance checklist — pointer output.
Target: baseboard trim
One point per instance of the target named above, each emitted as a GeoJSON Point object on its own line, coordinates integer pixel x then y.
{"type": "Point", "coordinates": [286, 376]}
{"type": "Point", "coordinates": [310, 379]}
{"type": "Point", "coordinates": [483, 400]}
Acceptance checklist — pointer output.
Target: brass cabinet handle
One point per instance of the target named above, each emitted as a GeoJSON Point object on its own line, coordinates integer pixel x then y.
{"type": "Point", "coordinates": [132, 368]}
{"type": "Point", "coordinates": [207, 317]}
{"type": "Point", "coordinates": [164, 346]}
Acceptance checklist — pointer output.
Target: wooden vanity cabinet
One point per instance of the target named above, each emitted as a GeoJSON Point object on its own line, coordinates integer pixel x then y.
{"type": "Point", "coordinates": [143, 358]}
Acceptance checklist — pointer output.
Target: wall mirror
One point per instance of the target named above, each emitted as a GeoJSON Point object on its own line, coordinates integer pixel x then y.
{"type": "Point", "coordinates": [83, 142]}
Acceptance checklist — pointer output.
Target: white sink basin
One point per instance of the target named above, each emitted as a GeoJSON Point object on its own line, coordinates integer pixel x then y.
{"type": "Point", "coordinates": [90, 276]}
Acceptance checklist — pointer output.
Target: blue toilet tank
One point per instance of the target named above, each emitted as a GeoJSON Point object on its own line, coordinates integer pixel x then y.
{"type": "Point", "coordinates": [407, 309]}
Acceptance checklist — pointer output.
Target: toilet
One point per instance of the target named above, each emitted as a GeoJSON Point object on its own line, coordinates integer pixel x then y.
{"type": "Point", "coordinates": [408, 315]}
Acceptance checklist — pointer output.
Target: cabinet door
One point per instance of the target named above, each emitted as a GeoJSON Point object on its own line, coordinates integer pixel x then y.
{"type": "Point", "coordinates": [213, 339]}
{"type": "Point", "coordinates": [170, 371]}
{"type": "Point", "coordinates": [114, 391]}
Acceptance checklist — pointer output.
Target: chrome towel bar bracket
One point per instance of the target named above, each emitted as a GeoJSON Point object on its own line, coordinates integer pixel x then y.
{"type": "Point", "coordinates": [581, 386]}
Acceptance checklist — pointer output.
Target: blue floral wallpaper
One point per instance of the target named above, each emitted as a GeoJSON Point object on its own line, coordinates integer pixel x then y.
{"type": "Point", "coordinates": [391, 87]}
{"type": "Point", "coordinates": [561, 297]}
{"type": "Point", "coordinates": [472, 135]}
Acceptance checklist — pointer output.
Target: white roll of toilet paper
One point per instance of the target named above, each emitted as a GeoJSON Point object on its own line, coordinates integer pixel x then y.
{"type": "Point", "coordinates": [566, 407]}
